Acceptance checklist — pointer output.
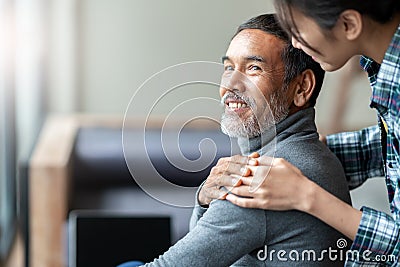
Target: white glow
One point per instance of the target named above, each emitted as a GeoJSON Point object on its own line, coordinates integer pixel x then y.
{"type": "Point", "coordinates": [29, 69]}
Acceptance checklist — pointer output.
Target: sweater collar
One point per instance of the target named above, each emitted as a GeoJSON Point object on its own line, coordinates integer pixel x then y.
{"type": "Point", "coordinates": [299, 124]}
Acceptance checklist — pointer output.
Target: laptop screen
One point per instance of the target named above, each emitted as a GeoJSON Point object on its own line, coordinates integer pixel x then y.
{"type": "Point", "coordinates": [108, 239]}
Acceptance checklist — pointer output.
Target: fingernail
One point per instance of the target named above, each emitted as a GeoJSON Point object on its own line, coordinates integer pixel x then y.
{"type": "Point", "coordinates": [235, 181]}
{"type": "Point", "coordinates": [243, 170]}
{"type": "Point", "coordinates": [254, 155]}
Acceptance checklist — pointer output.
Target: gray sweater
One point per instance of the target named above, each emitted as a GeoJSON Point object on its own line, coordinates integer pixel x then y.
{"type": "Point", "coordinates": [225, 234]}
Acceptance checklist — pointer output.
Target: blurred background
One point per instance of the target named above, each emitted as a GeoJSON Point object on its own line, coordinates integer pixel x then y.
{"type": "Point", "coordinates": [88, 57]}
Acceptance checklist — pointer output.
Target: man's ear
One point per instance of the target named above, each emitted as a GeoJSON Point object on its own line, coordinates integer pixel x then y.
{"type": "Point", "coordinates": [304, 88]}
{"type": "Point", "coordinates": [350, 23]}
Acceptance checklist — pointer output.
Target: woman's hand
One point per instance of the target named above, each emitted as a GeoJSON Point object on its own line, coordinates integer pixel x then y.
{"type": "Point", "coordinates": [274, 184]}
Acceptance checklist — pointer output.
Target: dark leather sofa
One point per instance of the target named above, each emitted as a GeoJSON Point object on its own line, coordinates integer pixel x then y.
{"type": "Point", "coordinates": [102, 180]}
{"type": "Point", "coordinates": [79, 164]}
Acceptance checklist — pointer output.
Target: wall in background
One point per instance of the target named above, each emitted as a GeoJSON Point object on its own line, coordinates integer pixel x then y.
{"type": "Point", "coordinates": [103, 50]}
{"type": "Point", "coordinates": [119, 44]}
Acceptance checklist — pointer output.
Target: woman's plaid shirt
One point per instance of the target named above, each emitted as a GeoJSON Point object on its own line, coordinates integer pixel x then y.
{"type": "Point", "coordinates": [363, 156]}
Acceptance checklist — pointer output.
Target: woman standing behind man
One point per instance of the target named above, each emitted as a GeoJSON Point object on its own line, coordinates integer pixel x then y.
{"type": "Point", "coordinates": [333, 31]}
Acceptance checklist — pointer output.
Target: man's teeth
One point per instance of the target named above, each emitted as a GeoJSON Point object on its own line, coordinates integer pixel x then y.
{"type": "Point", "coordinates": [236, 105]}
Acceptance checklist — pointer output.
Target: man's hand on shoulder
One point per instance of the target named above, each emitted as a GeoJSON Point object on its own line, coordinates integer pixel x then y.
{"type": "Point", "coordinates": [223, 177]}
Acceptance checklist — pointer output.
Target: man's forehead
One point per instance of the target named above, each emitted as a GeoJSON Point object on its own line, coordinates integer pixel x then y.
{"type": "Point", "coordinates": [256, 41]}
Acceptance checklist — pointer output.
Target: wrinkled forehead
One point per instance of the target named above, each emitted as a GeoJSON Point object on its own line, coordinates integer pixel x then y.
{"type": "Point", "coordinates": [254, 42]}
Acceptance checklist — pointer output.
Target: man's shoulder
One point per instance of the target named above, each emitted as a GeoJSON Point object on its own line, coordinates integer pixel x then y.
{"type": "Point", "coordinates": [317, 162]}
{"type": "Point", "coordinates": [299, 150]}
{"type": "Point", "coordinates": [308, 153]}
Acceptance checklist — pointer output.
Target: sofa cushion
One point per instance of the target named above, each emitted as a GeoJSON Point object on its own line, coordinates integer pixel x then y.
{"type": "Point", "coordinates": [99, 160]}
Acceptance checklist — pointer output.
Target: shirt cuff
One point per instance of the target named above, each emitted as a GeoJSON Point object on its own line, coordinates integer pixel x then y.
{"type": "Point", "coordinates": [377, 240]}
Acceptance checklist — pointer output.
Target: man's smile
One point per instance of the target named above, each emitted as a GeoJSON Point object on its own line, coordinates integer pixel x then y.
{"type": "Point", "coordinates": [236, 104]}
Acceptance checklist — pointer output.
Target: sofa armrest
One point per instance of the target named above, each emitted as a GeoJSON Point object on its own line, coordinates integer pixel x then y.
{"type": "Point", "coordinates": [49, 182]}
{"type": "Point", "coordinates": [49, 170]}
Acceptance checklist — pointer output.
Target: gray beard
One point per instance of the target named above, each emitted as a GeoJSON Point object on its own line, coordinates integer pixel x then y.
{"type": "Point", "coordinates": [253, 126]}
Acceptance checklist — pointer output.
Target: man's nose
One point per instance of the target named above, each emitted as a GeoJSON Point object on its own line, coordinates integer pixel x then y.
{"type": "Point", "coordinates": [235, 82]}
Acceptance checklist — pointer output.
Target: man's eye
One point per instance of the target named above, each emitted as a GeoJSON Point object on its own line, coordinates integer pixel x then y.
{"type": "Point", "coordinates": [254, 68]}
{"type": "Point", "coordinates": [228, 68]}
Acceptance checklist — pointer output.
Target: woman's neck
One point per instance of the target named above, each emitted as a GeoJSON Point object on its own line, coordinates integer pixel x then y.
{"type": "Point", "coordinates": [378, 37]}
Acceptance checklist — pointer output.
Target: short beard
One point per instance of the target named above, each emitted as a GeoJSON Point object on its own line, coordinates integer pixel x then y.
{"type": "Point", "coordinates": [252, 126]}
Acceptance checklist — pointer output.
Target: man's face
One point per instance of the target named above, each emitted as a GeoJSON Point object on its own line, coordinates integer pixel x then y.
{"type": "Point", "coordinates": [252, 84]}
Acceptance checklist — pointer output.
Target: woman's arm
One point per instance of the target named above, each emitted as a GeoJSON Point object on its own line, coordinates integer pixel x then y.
{"type": "Point", "coordinates": [360, 153]}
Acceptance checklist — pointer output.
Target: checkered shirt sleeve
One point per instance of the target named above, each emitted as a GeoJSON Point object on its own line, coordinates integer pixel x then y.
{"type": "Point", "coordinates": [360, 153]}
{"type": "Point", "coordinates": [377, 241]}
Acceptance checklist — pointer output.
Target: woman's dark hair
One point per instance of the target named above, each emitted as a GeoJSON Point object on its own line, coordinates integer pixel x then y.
{"type": "Point", "coordinates": [295, 60]}
{"type": "Point", "coordinates": [326, 12]}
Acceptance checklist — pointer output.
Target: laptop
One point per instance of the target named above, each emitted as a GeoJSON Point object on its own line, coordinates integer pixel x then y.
{"type": "Point", "coordinates": [97, 238]}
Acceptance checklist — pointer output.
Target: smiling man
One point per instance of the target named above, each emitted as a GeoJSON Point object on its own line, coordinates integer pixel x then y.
{"type": "Point", "coordinates": [252, 84]}
{"type": "Point", "coordinates": [269, 89]}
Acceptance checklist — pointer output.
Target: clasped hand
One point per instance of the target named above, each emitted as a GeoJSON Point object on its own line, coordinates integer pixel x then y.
{"type": "Point", "coordinates": [257, 182]}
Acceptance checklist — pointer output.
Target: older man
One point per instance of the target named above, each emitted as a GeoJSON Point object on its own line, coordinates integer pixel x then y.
{"type": "Point", "coordinates": [269, 89]}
